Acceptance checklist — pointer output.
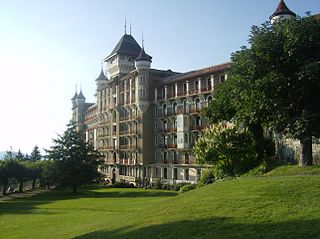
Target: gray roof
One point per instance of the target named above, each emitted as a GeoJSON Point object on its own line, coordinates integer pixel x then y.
{"type": "Point", "coordinates": [102, 76]}
{"type": "Point", "coordinates": [81, 96]}
{"type": "Point", "coordinates": [75, 96]}
{"type": "Point", "coordinates": [127, 46]}
{"type": "Point", "coordinates": [143, 56]}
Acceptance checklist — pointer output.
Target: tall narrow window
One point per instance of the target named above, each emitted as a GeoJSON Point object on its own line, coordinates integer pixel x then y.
{"type": "Point", "coordinates": [198, 104]}
{"type": "Point", "coordinates": [165, 157]}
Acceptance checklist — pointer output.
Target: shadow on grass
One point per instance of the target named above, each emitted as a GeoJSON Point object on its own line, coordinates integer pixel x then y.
{"type": "Point", "coordinates": [25, 205]}
{"type": "Point", "coordinates": [214, 228]}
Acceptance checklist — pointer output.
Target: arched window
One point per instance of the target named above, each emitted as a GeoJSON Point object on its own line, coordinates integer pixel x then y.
{"type": "Point", "coordinates": [175, 157]}
{"type": "Point", "coordinates": [209, 99]}
{"type": "Point", "coordinates": [164, 109]}
{"type": "Point", "coordinates": [186, 158]}
{"type": "Point", "coordinates": [165, 157]}
{"type": "Point", "coordinates": [174, 123]}
{"type": "Point", "coordinates": [165, 125]}
{"type": "Point", "coordinates": [185, 107]}
{"type": "Point", "coordinates": [175, 108]}
{"type": "Point", "coordinates": [198, 104]}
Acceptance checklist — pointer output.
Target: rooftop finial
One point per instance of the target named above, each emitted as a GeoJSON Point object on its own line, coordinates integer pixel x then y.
{"type": "Point", "coordinates": [125, 25]}
{"type": "Point", "coordinates": [130, 27]}
{"type": "Point", "coordinates": [142, 42]}
{"type": "Point", "coordinates": [76, 87]}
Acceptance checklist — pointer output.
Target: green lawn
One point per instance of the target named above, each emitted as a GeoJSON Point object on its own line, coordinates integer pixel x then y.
{"type": "Point", "coordinates": [249, 207]}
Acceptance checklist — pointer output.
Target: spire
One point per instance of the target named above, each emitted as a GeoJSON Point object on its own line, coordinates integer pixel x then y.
{"type": "Point", "coordinates": [125, 26]}
{"type": "Point", "coordinates": [80, 95]}
{"type": "Point", "coordinates": [282, 10]}
{"type": "Point", "coordinates": [143, 56]}
{"type": "Point", "coordinates": [130, 28]}
{"type": "Point", "coordinates": [75, 94]}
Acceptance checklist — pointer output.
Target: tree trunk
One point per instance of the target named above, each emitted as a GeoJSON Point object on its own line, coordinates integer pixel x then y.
{"type": "Point", "coordinates": [257, 131]}
{"type": "Point", "coordinates": [21, 187]}
{"type": "Point", "coordinates": [4, 189]}
{"type": "Point", "coordinates": [306, 152]}
{"type": "Point", "coordinates": [34, 184]}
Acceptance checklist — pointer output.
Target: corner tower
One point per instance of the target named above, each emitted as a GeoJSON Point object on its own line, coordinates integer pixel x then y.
{"type": "Point", "coordinates": [281, 13]}
{"type": "Point", "coordinates": [142, 64]}
{"type": "Point", "coordinates": [121, 60]}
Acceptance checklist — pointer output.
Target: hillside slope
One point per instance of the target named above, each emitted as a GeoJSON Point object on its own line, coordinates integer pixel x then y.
{"type": "Point", "coordinates": [252, 207]}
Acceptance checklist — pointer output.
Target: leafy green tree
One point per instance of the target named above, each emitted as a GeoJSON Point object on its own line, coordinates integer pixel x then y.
{"type": "Point", "coordinates": [77, 162]}
{"type": "Point", "coordinates": [7, 169]}
{"type": "Point", "coordinates": [48, 173]}
{"type": "Point", "coordinates": [20, 172]}
{"type": "Point", "coordinates": [35, 154]}
{"type": "Point", "coordinates": [230, 151]}
{"type": "Point", "coordinates": [275, 83]}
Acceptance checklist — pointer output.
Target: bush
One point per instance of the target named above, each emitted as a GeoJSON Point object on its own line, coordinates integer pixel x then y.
{"type": "Point", "coordinates": [122, 184]}
{"type": "Point", "coordinates": [207, 177]}
{"type": "Point", "coordinates": [187, 188]}
{"type": "Point", "coordinates": [157, 184]}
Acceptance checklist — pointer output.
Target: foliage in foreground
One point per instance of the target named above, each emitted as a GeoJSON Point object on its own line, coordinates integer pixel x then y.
{"type": "Point", "coordinates": [230, 151]}
{"type": "Point", "coordinates": [76, 161]}
{"type": "Point", "coordinates": [275, 84]}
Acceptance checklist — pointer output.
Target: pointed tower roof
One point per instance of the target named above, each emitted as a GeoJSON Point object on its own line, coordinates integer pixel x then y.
{"type": "Point", "coordinates": [75, 96]}
{"type": "Point", "coordinates": [81, 96]}
{"type": "Point", "coordinates": [127, 46]}
{"type": "Point", "coordinates": [102, 76]}
{"type": "Point", "coordinates": [282, 9]}
{"type": "Point", "coordinates": [143, 56]}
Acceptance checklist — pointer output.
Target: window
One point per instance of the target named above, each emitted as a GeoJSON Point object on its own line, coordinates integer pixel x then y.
{"type": "Point", "coordinates": [209, 84]}
{"type": "Point", "coordinates": [165, 125]}
{"type": "Point", "coordinates": [175, 107]}
{"type": "Point", "coordinates": [142, 79]}
{"type": "Point", "coordinates": [175, 157]}
{"type": "Point", "coordinates": [198, 121]}
{"type": "Point", "coordinates": [184, 88]}
{"type": "Point", "coordinates": [156, 110]}
{"type": "Point", "coordinates": [186, 174]}
{"type": "Point", "coordinates": [175, 173]}
{"type": "Point", "coordinates": [174, 124]}
{"type": "Point", "coordinates": [165, 157]}
{"type": "Point", "coordinates": [222, 78]}
{"type": "Point", "coordinates": [209, 99]}
{"type": "Point", "coordinates": [164, 109]}
{"type": "Point", "coordinates": [198, 104]}
{"type": "Point", "coordinates": [185, 107]}
{"type": "Point", "coordinates": [165, 141]}
{"type": "Point", "coordinates": [165, 173]}
{"type": "Point", "coordinates": [175, 139]}
{"type": "Point", "coordinates": [156, 126]}
{"type": "Point", "coordinates": [186, 158]}
{"type": "Point", "coordinates": [156, 141]}
{"type": "Point", "coordinates": [196, 86]}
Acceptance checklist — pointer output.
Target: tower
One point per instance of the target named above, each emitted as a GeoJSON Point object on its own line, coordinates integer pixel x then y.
{"type": "Point", "coordinates": [142, 64]}
{"type": "Point", "coordinates": [78, 108]}
{"type": "Point", "coordinates": [121, 59]}
{"type": "Point", "coordinates": [282, 12]}
{"type": "Point", "coordinates": [101, 79]}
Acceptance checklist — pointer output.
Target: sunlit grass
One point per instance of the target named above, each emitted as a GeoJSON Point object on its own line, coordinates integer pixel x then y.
{"type": "Point", "coordinates": [252, 207]}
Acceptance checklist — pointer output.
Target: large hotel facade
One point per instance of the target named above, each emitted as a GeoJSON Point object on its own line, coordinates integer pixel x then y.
{"type": "Point", "coordinates": [146, 121]}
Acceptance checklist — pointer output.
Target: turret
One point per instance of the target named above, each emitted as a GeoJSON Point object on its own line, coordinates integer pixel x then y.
{"type": "Point", "coordinates": [73, 100]}
{"type": "Point", "coordinates": [142, 64]}
{"type": "Point", "coordinates": [121, 59]}
{"type": "Point", "coordinates": [281, 13]}
{"type": "Point", "coordinates": [101, 80]}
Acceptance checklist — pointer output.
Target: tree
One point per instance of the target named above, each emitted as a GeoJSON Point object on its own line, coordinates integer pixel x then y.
{"type": "Point", "coordinates": [230, 151]}
{"type": "Point", "coordinates": [35, 154]}
{"type": "Point", "coordinates": [275, 83]}
{"type": "Point", "coordinates": [76, 160]}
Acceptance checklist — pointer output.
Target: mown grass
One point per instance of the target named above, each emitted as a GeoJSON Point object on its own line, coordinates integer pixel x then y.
{"type": "Point", "coordinates": [248, 207]}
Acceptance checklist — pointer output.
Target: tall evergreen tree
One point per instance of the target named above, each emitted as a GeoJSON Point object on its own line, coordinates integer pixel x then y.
{"type": "Point", "coordinates": [35, 154]}
{"type": "Point", "coordinates": [77, 162]}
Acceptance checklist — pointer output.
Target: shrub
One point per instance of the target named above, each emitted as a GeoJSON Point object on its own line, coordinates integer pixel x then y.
{"type": "Point", "coordinates": [207, 177]}
{"type": "Point", "coordinates": [187, 188]}
{"type": "Point", "coordinates": [157, 184]}
{"type": "Point", "coordinates": [122, 184]}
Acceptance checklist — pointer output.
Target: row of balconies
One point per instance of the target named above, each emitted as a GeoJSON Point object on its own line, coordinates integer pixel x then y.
{"type": "Point", "coordinates": [183, 93]}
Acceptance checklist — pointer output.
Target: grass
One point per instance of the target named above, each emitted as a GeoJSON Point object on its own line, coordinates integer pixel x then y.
{"type": "Point", "coordinates": [248, 207]}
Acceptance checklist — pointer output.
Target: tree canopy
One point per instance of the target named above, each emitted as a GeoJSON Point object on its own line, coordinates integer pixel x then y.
{"type": "Point", "coordinates": [275, 82]}
{"type": "Point", "coordinates": [76, 160]}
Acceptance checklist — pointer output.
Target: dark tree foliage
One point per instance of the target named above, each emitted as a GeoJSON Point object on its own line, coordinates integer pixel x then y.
{"type": "Point", "coordinates": [76, 160]}
{"type": "Point", "coordinates": [35, 154]}
{"type": "Point", "coordinates": [275, 83]}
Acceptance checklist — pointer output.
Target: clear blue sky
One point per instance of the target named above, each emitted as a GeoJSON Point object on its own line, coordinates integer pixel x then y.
{"type": "Point", "coordinates": [46, 47]}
